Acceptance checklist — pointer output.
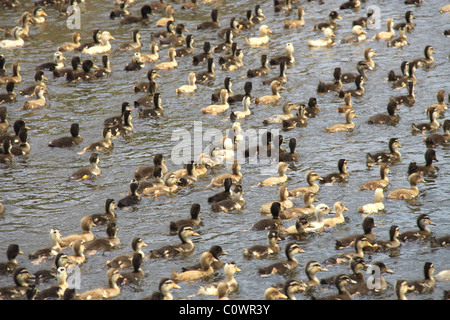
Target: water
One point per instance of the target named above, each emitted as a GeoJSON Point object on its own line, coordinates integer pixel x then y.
{"type": "Point", "coordinates": [38, 197]}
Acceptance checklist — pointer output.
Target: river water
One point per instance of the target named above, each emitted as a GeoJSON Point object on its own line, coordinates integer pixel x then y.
{"type": "Point", "coordinates": [38, 196]}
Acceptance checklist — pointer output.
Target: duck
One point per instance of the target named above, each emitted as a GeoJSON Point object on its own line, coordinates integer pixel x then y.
{"type": "Point", "coordinates": [291, 155]}
{"type": "Point", "coordinates": [207, 75]}
{"type": "Point", "coordinates": [108, 243]}
{"type": "Point", "coordinates": [241, 114]}
{"type": "Point", "coordinates": [185, 247]}
{"type": "Point", "coordinates": [341, 280]}
{"type": "Point", "coordinates": [428, 283]}
{"type": "Point", "coordinates": [78, 256]}
{"type": "Point", "coordinates": [2, 66]}
{"type": "Point", "coordinates": [17, 41]}
{"type": "Point", "coordinates": [264, 251]}
{"type": "Point", "coordinates": [407, 194]}
{"type": "Point", "coordinates": [10, 96]}
{"type": "Point", "coordinates": [338, 208]}
{"type": "Point", "coordinates": [368, 224]}
{"type": "Point", "coordinates": [229, 270]}
{"type": "Point", "coordinates": [158, 6]}
{"type": "Point", "coordinates": [134, 45]}
{"type": "Point", "coordinates": [391, 118]}
{"type": "Point", "coordinates": [215, 109]}
{"type": "Point", "coordinates": [274, 294]}
{"type": "Point", "coordinates": [37, 103]}
{"type": "Point", "coordinates": [247, 21]}
{"type": "Point", "coordinates": [206, 55]}
{"type": "Point", "coordinates": [404, 66]}
{"type": "Point", "coordinates": [145, 11]}
{"type": "Point", "coordinates": [432, 125]}
{"type": "Point", "coordinates": [408, 71]}
{"type": "Point", "coordinates": [55, 291]}
{"type": "Point", "coordinates": [248, 87]}
{"type": "Point", "coordinates": [340, 176]}
{"type": "Point", "coordinates": [125, 260]}
{"type": "Point", "coordinates": [283, 267]}
{"type": "Point", "coordinates": [273, 223]}
{"type": "Point", "coordinates": [71, 46]}
{"type": "Point", "coordinates": [298, 230]}
{"type": "Point", "coordinates": [153, 55]}
{"type": "Point", "coordinates": [122, 11]}
{"type": "Point", "coordinates": [146, 172]}
{"type": "Point", "coordinates": [103, 47]}
{"type": "Point", "coordinates": [169, 11]}
{"type": "Point", "coordinates": [358, 35]}
{"type": "Point", "coordinates": [263, 38]}
{"type": "Point", "coordinates": [351, 4]}
{"type": "Point", "coordinates": [192, 221]}
{"type": "Point", "coordinates": [164, 287]}
{"type": "Point", "coordinates": [332, 24]}
{"type": "Point", "coordinates": [22, 280]}
{"type": "Point", "coordinates": [376, 206]}
{"type": "Point", "coordinates": [156, 181]}
{"type": "Point", "coordinates": [347, 126]}
{"type": "Point", "coordinates": [435, 139]}
{"type": "Point", "coordinates": [369, 53]}
{"type": "Point", "coordinates": [234, 27]}
{"type": "Point", "coordinates": [86, 234]}
{"type": "Point", "coordinates": [172, 63]}
{"type": "Point", "coordinates": [112, 291]}
{"type": "Point", "coordinates": [124, 127]}
{"type": "Point", "coordinates": [317, 223]}
{"type": "Point", "coordinates": [236, 175]}
{"type": "Point", "coordinates": [150, 86]}
{"type": "Point", "coordinates": [389, 33]}
{"type": "Point", "coordinates": [327, 42]}
{"type": "Point", "coordinates": [234, 62]}
{"type": "Point", "coordinates": [213, 24]}
{"type": "Point", "coordinates": [4, 123]}
{"type": "Point", "coordinates": [275, 87]}
{"type": "Point", "coordinates": [392, 156]}
{"type": "Point", "coordinates": [360, 242]}
{"type": "Point", "coordinates": [401, 288]}
{"type": "Point", "coordinates": [392, 243]}
{"type": "Point", "coordinates": [223, 195]}
{"type": "Point", "coordinates": [311, 177]}
{"type": "Point", "coordinates": [282, 78]}
{"type": "Point", "coordinates": [96, 37]}
{"type": "Point", "coordinates": [44, 275]}
{"type": "Point", "coordinates": [421, 233]}
{"type": "Point", "coordinates": [358, 92]}
{"type": "Point", "coordinates": [135, 277]}
{"type": "Point", "coordinates": [428, 168]}
{"type": "Point", "coordinates": [308, 199]}
{"type": "Point", "coordinates": [288, 58]}
{"type": "Point", "coordinates": [6, 156]}
{"type": "Point", "coordinates": [347, 104]}
{"type": "Point", "coordinates": [189, 49]}
{"type": "Point", "coordinates": [285, 202]}
{"type": "Point", "coordinates": [361, 66]}
{"type": "Point", "coordinates": [408, 100]}
{"type": "Point", "coordinates": [206, 261]}
{"type": "Point", "coordinates": [280, 179]}
{"type": "Point", "coordinates": [23, 148]}
{"type": "Point", "coordinates": [260, 71]}
{"type": "Point", "coordinates": [217, 252]}
{"type": "Point", "coordinates": [295, 23]}
{"type": "Point", "coordinates": [409, 23]}
{"type": "Point", "coordinates": [236, 203]}
{"type": "Point", "coordinates": [38, 15]}
{"type": "Point", "coordinates": [90, 172]}
{"type": "Point", "coordinates": [133, 198]}
{"type": "Point", "coordinates": [225, 46]}
{"type": "Point", "coordinates": [103, 145]}
{"type": "Point", "coordinates": [311, 268]}
{"type": "Point", "coordinates": [441, 106]}
{"type": "Point", "coordinates": [287, 109]}
{"type": "Point", "coordinates": [68, 141]}
{"type": "Point", "coordinates": [62, 72]}
{"type": "Point", "coordinates": [51, 251]}
{"type": "Point", "coordinates": [87, 72]}
{"type": "Point", "coordinates": [15, 77]}
{"type": "Point", "coordinates": [56, 64]}
{"type": "Point", "coordinates": [176, 39]}
{"type": "Point", "coordinates": [12, 252]}
{"type": "Point", "coordinates": [118, 119]}
{"type": "Point", "coordinates": [383, 182]}
{"type": "Point", "coordinates": [400, 41]}
{"type": "Point", "coordinates": [135, 63]}
{"type": "Point", "coordinates": [323, 87]}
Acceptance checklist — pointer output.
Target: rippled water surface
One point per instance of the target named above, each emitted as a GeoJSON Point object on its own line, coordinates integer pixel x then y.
{"type": "Point", "coordinates": [38, 196]}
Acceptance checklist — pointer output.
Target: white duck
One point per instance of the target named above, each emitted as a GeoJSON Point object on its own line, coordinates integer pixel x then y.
{"type": "Point", "coordinates": [104, 45]}
{"type": "Point", "coordinates": [262, 39]}
{"type": "Point", "coordinates": [328, 33]}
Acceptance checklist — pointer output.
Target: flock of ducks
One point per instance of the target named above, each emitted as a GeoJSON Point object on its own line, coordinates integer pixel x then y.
{"type": "Point", "coordinates": [156, 181]}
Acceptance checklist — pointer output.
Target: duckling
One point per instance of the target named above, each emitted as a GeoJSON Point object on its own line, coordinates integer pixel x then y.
{"type": "Point", "coordinates": [146, 86]}
{"type": "Point", "coordinates": [323, 87]}
{"type": "Point", "coordinates": [287, 109]}
{"type": "Point", "coordinates": [133, 198]}
{"type": "Point", "coordinates": [10, 95]}
{"type": "Point", "coordinates": [317, 223]}
{"type": "Point", "coordinates": [408, 100]}
{"type": "Point", "coordinates": [274, 294]}
{"type": "Point", "coordinates": [360, 242]}
{"type": "Point", "coordinates": [153, 55]}
{"type": "Point", "coordinates": [264, 251]}
{"type": "Point", "coordinates": [430, 156]}
{"type": "Point", "coordinates": [145, 11]}
{"type": "Point", "coordinates": [247, 22]}
{"type": "Point", "coordinates": [213, 24]}
{"type": "Point", "coordinates": [292, 155]}
{"type": "Point", "coordinates": [87, 72]}
{"type": "Point", "coordinates": [218, 108]}
{"type": "Point", "coordinates": [341, 280]}
{"type": "Point", "coordinates": [207, 75]}
{"type": "Point", "coordinates": [282, 78]}
{"type": "Point", "coordinates": [280, 179]}
{"type": "Point", "coordinates": [311, 177]}
{"type": "Point", "coordinates": [125, 260]}
{"type": "Point", "coordinates": [391, 118]}
{"type": "Point", "coordinates": [308, 199]}
{"type": "Point", "coordinates": [51, 251]}
{"type": "Point", "coordinates": [248, 86]}
{"type": "Point", "coordinates": [327, 42]}
{"type": "Point", "coordinates": [435, 139]}
{"type": "Point", "coordinates": [409, 23]}
{"type": "Point", "coordinates": [288, 58]}
{"type": "Point", "coordinates": [6, 156]}
{"type": "Point", "coordinates": [389, 33]}
{"type": "Point", "coordinates": [234, 62]}
{"type": "Point", "coordinates": [158, 6]}
{"type": "Point", "coordinates": [39, 15]}
{"type": "Point", "coordinates": [176, 39]}
{"type": "Point", "coordinates": [275, 87]}
{"type": "Point", "coordinates": [428, 283]}
{"type": "Point", "coordinates": [108, 243]}
{"type": "Point", "coordinates": [17, 42]}
{"type": "Point", "coordinates": [45, 275]}
{"type": "Point", "coordinates": [172, 63]}
{"type": "Point", "coordinates": [12, 252]}
{"type": "Point", "coordinates": [340, 176]}
{"type": "Point", "coordinates": [311, 268]}
{"type": "Point", "coordinates": [56, 291]}
{"type": "Point", "coordinates": [234, 27]}
{"type": "Point", "coordinates": [422, 233]}
{"type": "Point", "coordinates": [383, 182]}
{"type": "Point", "coordinates": [368, 55]}
{"type": "Point", "coordinates": [260, 71]}
{"type": "Point", "coordinates": [206, 261]}
{"type": "Point", "coordinates": [189, 49]}
{"type": "Point", "coordinates": [236, 175]}
{"type": "Point", "coordinates": [146, 172]}
{"type": "Point", "coordinates": [224, 195]}
{"type": "Point", "coordinates": [62, 72]}
{"type": "Point", "coordinates": [299, 22]}
{"type": "Point", "coordinates": [393, 242]}
{"type": "Point", "coordinates": [407, 194]}
{"type": "Point", "coordinates": [358, 35]}
{"type": "Point", "coordinates": [375, 207]}
{"type": "Point", "coordinates": [23, 148]}
{"type": "Point", "coordinates": [135, 63]}
{"type": "Point", "coordinates": [169, 11]}
{"type": "Point", "coordinates": [229, 269]}
{"type": "Point", "coordinates": [134, 45]}
{"type": "Point", "coordinates": [368, 224]}
{"type": "Point", "coordinates": [137, 274]}
{"type": "Point", "coordinates": [37, 103]}
{"type": "Point", "coordinates": [112, 291]}
{"type": "Point", "coordinates": [186, 246]}
{"type": "Point", "coordinates": [441, 106]}
{"type": "Point", "coordinates": [56, 64]}
{"type": "Point", "coordinates": [2, 66]}
{"type": "Point", "coordinates": [89, 172]}
{"type": "Point", "coordinates": [193, 221]}
{"type": "Point", "coordinates": [298, 230]}
{"type": "Point", "coordinates": [347, 126]}
{"type": "Point", "coordinates": [15, 77]}
{"type": "Point", "coordinates": [401, 288]}
{"type": "Point", "coordinates": [103, 46]}
{"type": "Point", "coordinates": [241, 114]}
{"type": "Point", "coordinates": [263, 38]}
{"type": "Point", "coordinates": [71, 46]}
{"type": "Point", "coordinates": [361, 66]}
{"type": "Point", "coordinates": [96, 36]}
{"type": "Point", "coordinates": [273, 223]}
{"type": "Point", "coordinates": [283, 267]}
{"type": "Point", "coordinates": [78, 256]}
{"type": "Point", "coordinates": [236, 202]}
{"type": "Point", "coordinates": [351, 4]}
{"type": "Point", "coordinates": [122, 11]}
{"type": "Point", "coordinates": [400, 41]}
{"type": "Point", "coordinates": [67, 142]}
{"type": "Point", "coordinates": [358, 92]}
{"type": "Point", "coordinates": [284, 201]}
{"type": "Point", "coordinates": [392, 156]}
{"type": "Point", "coordinates": [170, 187]}
{"type": "Point", "coordinates": [432, 125]}
{"type": "Point", "coordinates": [86, 234]}
{"type": "Point", "coordinates": [339, 218]}
{"type": "Point", "coordinates": [332, 24]}
{"type": "Point", "coordinates": [157, 111]}
{"type": "Point", "coordinates": [22, 280]}
{"type": "Point", "coordinates": [400, 78]}
{"type": "Point", "coordinates": [164, 287]}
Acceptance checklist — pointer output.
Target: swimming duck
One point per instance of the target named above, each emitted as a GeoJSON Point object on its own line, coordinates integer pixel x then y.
{"type": "Point", "coordinates": [260, 71]}
{"type": "Point", "coordinates": [55, 291]}
{"type": "Point", "coordinates": [6, 156]}
{"type": "Point", "coordinates": [10, 95]}
{"type": "Point", "coordinates": [441, 106]}
{"type": "Point", "coordinates": [12, 252]}
{"type": "Point", "coordinates": [169, 11]}
{"type": "Point", "coordinates": [122, 11]}
{"type": "Point", "coordinates": [282, 6]}
{"type": "Point", "coordinates": [275, 87]}
{"type": "Point", "coordinates": [217, 252]}
{"type": "Point", "coordinates": [150, 86]}
{"type": "Point", "coordinates": [391, 118]}
{"type": "Point", "coordinates": [188, 88]}
{"type": "Point", "coordinates": [327, 42]}
{"type": "Point", "coordinates": [274, 294]}
{"type": "Point", "coordinates": [71, 46]}
{"type": "Point", "coordinates": [153, 55]}
{"type": "Point", "coordinates": [291, 155]}
{"type": "Point", "coordinates": [125, 260]}
{"type": "Point", "coordinates": [298, 230]}
{"type": "Point", "coordinates": [290, 24]}
{"type": "Point", "coordinates": [22, 280]}
{"type": "Point", "coordinates": [401, 288]}
{"type": "Point", "coordinates": [134, 45]}
{"type": "Point", "coordinates": [103, 145]}
{"type": "Point", "coordinates": [37, 103]}
{"type": "Point", "coordinates": [135, 63]}
{"type": "Point", "coordinates": [193, 221]}
{"type": "Point", "coordinates": [234, 62]}
{"type": "Point", "coordinates": [435, 139]}
{"type": "Point", "coordinates": [156, 181]}
{"type": "Point", "coordinates": [323, 87]}
{"type": "Point", "coordinates": [38, 15]}
{"type": "Point", "coordinates": [311, 177]}
{"type": "Point", "coordinates": [16, 43]}
{"type": "Point", "coordinates": [241, 114]}
{"type": "Point", "coordinates": [15, 77]}
{"type": "Point", "coordinates": [347, 126]}
{"type": "Point", "coordinates": [143, 18]}
{"type": "Point", "coordinates": [280, 179]}
{"type": "Point", "coordinates": [207, 75]}
{"type": "Point", "coordinates": [109, 215]}
{"type": "Point", "coordinates": [409, 76]}
{"type": "Point", "coordinates": [235, 28]}
{"type": "Point", "coordinates": [225, 46]}
{"type": "Point", "coordinates": [338, 208]}
{"type": "Point", "coordinates": [218, 108]}
{"type": "Point", "coordinates": [213, 24]}
{"type": "Point", "coordinates": [189, 49]}
{"type": "Point", "coordinates": [368, 224]}
{"type": "Point", "coordinates": [401, 40]}
{"type": "Point", "coordinates": [137, 274]}
{"type": "Point", "coordinates": [172, 63]}
{"type": "Point", "coordinates": [133, 198]}
{"type": "Point", "coordinates": [361, 66]}
{"type": "Point", "coordinates": [288, 58]}
{"type": "Point", "coordinates": [158, 6]}
{"type": "Point", "coordinates": [282, 78]}
{"type": "Point", "coordinates": [186, 246]}
{"type": "Point", "coordinates": [282, 267]}
{"type": "Point", "coordinates": [341, 280]}
{"type": "Point", "coordinates": [78, 256]}
{"type": "Point", "coordinates": [389, 33]}
{"type": "Point", "coordinates": [368, 55]}
{"type": "Point", "coordinates": [236, 202]}
{"type": "Point", "coordinates": [51, 251]}
{"type": "Point", "coordinates": [278, 118]}
{"type": "Point", "coordinates": [311, 268]}
{"type": "Point", "coordinates": [383, 182]}
{"type": "Point", "coordinates": [206, 55]}
{"type": "Point", "coordinates": [176, 39]}
{"type": "Point", "coordinates": [62, 72]}
{"type": "Point", "coordinates": [392, 156]}
{"type": "Point", "coordinates": [393, 242]}
{"type": "Point", "coordinates": [229, 269]}
{"type": "Point", "coordinates": [164, 287]}
{"type": "Point", "coordinates": [317, 222]}
{"type": "Point", "coordinates": [400, 78]}
{"type": "Point", "coordinates": [358, 92]}
{"type": "Point", "coordinates": [332, 24]}
{"type": "Point", "coordinates": [308, 199]}
{"type": "Point", "coordinates": [89, 172]}
{"type": "Point", "coordinates": [112, 291]}
{"type": "Point", "coordinates": [360, 242]}
{"type": "Point", "coordinates": [56, 64]}
{"type": "Point", "coordinates": [259, 15]}
{"type": "Point", "coordinates": [86, 234]}
{"type": "Point", "coordinates": [2, 66]}
{"type": "Point", "coordinates": [422, 233]}
{"type": "Point", "coordinates": [285, 202]}
{"type": "Point", "coordinates": [170, 186]}
{"type": "Point", "coordinates": [4, 124]}
{"type": "Point", "coordinates": [45, 275]}
{"type": "Point", "coordinates": [263, 38]}
{"type": "Point", "coordinates": [118, 119]}
{"type": "Point", "coordinates": [352, 4]}
{"type": "Point", "coordinates": [358, 35]}
{"type": "Point", "coordinates": [87, 72]}
{"type": "Point", "coordinates": [375, 206]}
{"type": "Point", "coordinates": [102, 47]}
{"type": "Point", "coordinates": [66, 142]}
{"type": "Point", "coordinates": [206, 261]}
{"type": "Point", "coordinates": [248, 86]}
{"type": "Point", "coordinates": [273, 223]}
{"type": "Point", "coordinates": [111, 241]}
{"type": "Point", "coordinates": [408, 100]}
{"type": "Point", "coordinates": [96, 37]}
{"type": "Point", "coordinates": [407, 194]}
{"type": "Point", "coordinates": [432, 125]}
{"type": "Point", "coordinates": [224, 195]}
{"type": "Point", "coordinates": [23, 148]}
{"type": "Point", "coordinates": [340, 176]}
{"type": "Point", "coordinates": [236, 175]}
{"type": "Point", "coordinates": [247, 21]}
{"type": "Point", "coordinates": [409, 23]}
{"type": "Point", "coordinates": [264, 251]}
{"type": "Point", "coordinates": [426, 284]}
{"type": "Point", "coordinates": [146, 172]}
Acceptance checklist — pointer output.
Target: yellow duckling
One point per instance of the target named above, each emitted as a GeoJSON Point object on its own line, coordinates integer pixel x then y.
{"type": "Point", "coordinates": [275, 86]}
{"type": "Point", "coordinates": [218, 108]}
{"type": "Point", "coordinates": [389, 33]}
{"type": "Point", "coordinates": [347, 103]}
{"type": "Point", "coordinates": [407, 194]}
{"type": "Point", "coordinates": [378, 205]}
{"type": "Point", "coordinates": [112, 291]}
{"type": "Point", "coordinates": [282, 177]}
{"type": "Point", "coordinates": [169, 187]}
{"type": "Point", "coordinates": [206, 260]}
{"type": "Point", "coordinates": [290, 24]}
{"type": "Point", "coordinates": [285, 202]}
{"type": "Point", "coordinates": [241, 114]}
{"type": "Point", "coordinates": [308, 198]}
{"type": "Point", "coordinates": [172, 63]}
{"type": "Point", "coordinates": [278, 118]}
{"type": "Point", "coordinates": [327, 42]}
{"type": "Point", "coordinates": [262, 39]}
{"type": "Point", "coordinates": [311, 177]}
{"type": "Point", "coordinates": [347, 126]}
{"type": "Point", "coordinates": [236, 175]}
{"type": "Point", "coordinates": [86, 234]}
{"type": "Point", "coordinates": [37, 103]}
{"type": "Point", "coordinates": [71, 46]}
{"type": "Point", "coordinates": [16, 43]}
{"type": "Point", "coordinates": [169, 17]}
{"type": "Point", "coordinates": [339, 218]}
{"type": "Point", "coordinates": [188, 88]}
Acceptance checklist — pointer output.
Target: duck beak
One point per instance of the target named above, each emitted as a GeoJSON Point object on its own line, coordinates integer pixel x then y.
{"type": "Point", "coordinates": [196, 234]}
{"type": "Point", "coordinates": [176, 286]}
{"type": "Point", "coordinates": [432, 223]}
{"type": "Point", "coordinates": [339, 18]}
{"type": "Point", "coordinates": [44, 14]}
{"type": "Point", "coordinates": [94, 66]}
{"type": "Point", "coordinates": [345, 209]}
